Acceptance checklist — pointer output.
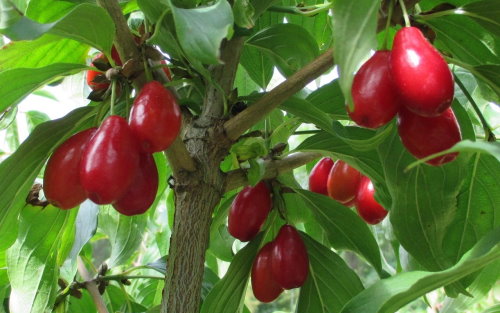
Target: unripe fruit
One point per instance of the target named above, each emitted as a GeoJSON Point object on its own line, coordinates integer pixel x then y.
{"type": "Point", "coordinates": [423, 136]}
{"type": "Point", "coordinates": [142, 193]}
{"type": "Point", "coordinates": [264, 287]}
{"type": "Point", "coordinates": [366, 205]}
{"type": "Point", "coordinates": [290, 263]}
{"type": "Point", "coordinates": [373, 92]}
{"type": "Point", "coordinates": [343, 182]}
{"type": "Point", "coordinates": [249, 211]}
{"type": "Point", "coordinates": [319, 175]}
{"type": "Point", "coordinates": [91, 74]}
{"type": "Point", "coordinates": [155, 117]}
{"type": "Point", "coordinates": [421, 75]}
{"type": "Point", "coordinates": [110, 161]}
{"type": "Point", "coordinates": [61, 180]}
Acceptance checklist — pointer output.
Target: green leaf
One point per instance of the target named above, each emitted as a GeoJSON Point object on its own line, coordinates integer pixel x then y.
{"type": "Point", "coordinates": [244, 83]}
{"type": "Point", "coordinates": [124, 233]}
{"type": "Point", "coordinates": [388, 295]}
{"type": "Point", "coordinates": [330, 283]}
{"type": "Point", "coordinates": [9, 14]}
{"type": "Point", "coordinates": [201, 30]}
{"type": "Point", "coordinates": [308, 112]}
{"type": "Point", "coordinates": [221, 245]}
{"type": "Point", "coordinates": [345, 229]}
{"type": "Point", "coordinates": [243, 12]}
{"type": "Point", "coordinates": [256, 171]}
{"type": "Point", "coordinates": [486, 13]}
{"type": "Point", "coordinates": [493, 309]}
{"type": "Point", "coordinates": [83, 305]}
{"type": "Point", "coordinates": [32, 260]}
{"type": "Point", "coordinates": [490, 74]}
{"type": "Point", "coordinates": [34, 118]}
{"type": "Point", "coordinates": [228, 294]}
{"type": "Point", "coordinates": [258, 66]}
{"type": "Point", "coordinates": [19, 170]}
{"type": "Point", "coordinates": [355, 25]}
{"type": "Point", "coordinates": [362, 139]}
{"type": "Point", "coordinates": [18, 83]}
{"type": "Point", "coordinates": [289, 45]}
{"type": "Point", "coordinates": [329, 99]}
{"type": "Point", "coordinates": [8, 117]}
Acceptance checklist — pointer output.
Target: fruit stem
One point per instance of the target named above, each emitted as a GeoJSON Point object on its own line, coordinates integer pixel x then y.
{"type": "Point", "coordinates": [113, 97]}
{"type": "Point", "coordinates": [487, 129]}
{"type": "Point", "coordinates": [388, 24]}
{"type": "Point", "coordinates": [405, 13]}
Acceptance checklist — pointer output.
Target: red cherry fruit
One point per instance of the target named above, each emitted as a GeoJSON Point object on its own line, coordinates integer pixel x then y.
{"type": "Point", "coordinates": [61, 180]}
{"type": "Point", "coordinates": [290, 263]}
{"type": "Point", "coordinates": [110, 161]}
{"type": "Point", "coordinates": [366, 205]}
{"type": "Point", "coordinates": [91, 74]}
{"type": "Point", "coordinates": [375, 101]}
{"type": "Point", "coordinates": [343, 182]}
{"type": "Point", "coordinates": [319, 175]}
{"type": "Point", "coordinates": [142, 193]}
{"type": "Point", "coordinates": [116, 56]}
{"type": "Point", "coordinates": [249, 211]}
{"type": "Point", "coordinates": [421, 75]}
{"type": "Point", "coordinates": [423, 136]}
{"type": "Point", "coordinates": [155, 117]}
{"type": "Point", "coordinates": [264, 287]}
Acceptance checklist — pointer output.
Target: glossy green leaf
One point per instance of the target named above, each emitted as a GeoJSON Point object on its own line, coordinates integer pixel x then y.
{"type": "Point", "coordinates": [329, 99]}
{"type": "Point", "coordinates": [18, 172]}
{"type": "Point", "coordinates": [388, 295]}
{"type": "Point", "coordinates": [490, 74]}
{"type": "Point", "coordinates": [330, 283]}
{"type": "Point", "coordinates": [355, 25]}
{"type": "Point", "coordinates": [228, 294]}
{"type": "Point", "coordinates": [258, 66]}
{"type": "Point", "coordinates": [18, 83]}
{"type": "Point", "coordinates": [362, 139]}
{"type": "Point", "coordinates": [124, 232]}
{"type": "Point", "coordinates": [201, 30]}
{"type": "Point", "coordinates": [345, 229]}
{"type": "Point", "coordinates": [308, 112]}
{"type": "Point", "coordinates": [32, 260]}
{"type": "Point", "coordinates": [486, 13]}
{"type": "Point", "coordinates": [289, 45]}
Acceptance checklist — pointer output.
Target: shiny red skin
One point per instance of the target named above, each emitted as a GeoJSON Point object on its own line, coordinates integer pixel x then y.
{"type": "Point", "coordinates": [366, 205]}
{"type": "Point", "coordinates": [264, 287]}
{"type": "Point", "coordinates": [319, 175]}
{"type": "Point", "coordinates": [142, 193]}
{"type": "Point", "coordinates": [249, 211]}
{"type": "Point", "coordinates": [373, 92]}
{"type": "Point", "coordinates": [155, 117]}
{"type": "Point", "coordinates": [423, 136]}
{"type": "Point", "coordinates": [420, 74]}
{"type": "Point", "coordinates": [110, 161]}
{"type": "Point", "coordinates": [61, 179]}
{"type": "Point", "coordinates": [91, 75]}
{"type": "Point", "coordinates": [343, 182]}
{"type": "Point", "coordinates": [290, 263]}
{"type": "Point", "coordinates": [116, 56]}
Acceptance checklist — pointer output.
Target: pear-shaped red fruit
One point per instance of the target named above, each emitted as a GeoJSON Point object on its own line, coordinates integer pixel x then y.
{"type": "Point", "coordinates": [155, 117]}
{"type": "Point", "coordinates": [422, 77]}
{"type": "Point", "coordinates": [249, 211]}
{"type": "Point", "coordinates": [373, 92]}
{"type": "Point", "coordinates": [61, 180]}
{"type": "Point", "coordinates": [290, 263]}
{"type": "Point", "coordinates": [319, 175]}
{"type": "Point", "coordinates": [142, 193]}
{"type": "Point", "coordinates": [366, 205]}
{"type": "Point", "coordinates": [423, 136]}
{"type": "Point", "coordinates": [343, 182]}
{"type": "Point", "coordinates": [93, 76]}
{"type": "Point", "coordinates": [110, 161]}
{"type": "Point", "coordinates": [264, 287]}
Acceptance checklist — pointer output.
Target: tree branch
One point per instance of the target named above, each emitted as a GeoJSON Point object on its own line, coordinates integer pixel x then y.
{"type": "Point", "coordinates": [91, 286]}
{"type": "Point", "coordinates": [244, 120]}
{"type": "Point", "coordinates": [238, 178]}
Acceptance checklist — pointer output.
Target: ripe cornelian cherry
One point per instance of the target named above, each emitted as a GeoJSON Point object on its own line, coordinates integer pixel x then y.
{"type": "Point", "coordinates": [91, 74]}
{"type": "Point", "coordinates": [290, 263]}
{"type": "Point", "coordinates": [343, 182]}
{"type": "Point", "coordinates": [375, 102]}
{"type": "Point", "coordinates": [366, 205]}
{"type": "Point", "coordinates": [110, 161]}
{"type": "Point", "coordinates": [61, 179]}
{"type": "Point", "coordinates": [319, 175]}
{"type": "Point", "coordinates": [155, 117]}
{"type": "Point", "coordinates": [264, 287]}
{"type": "Point", "coordinates": [421, 76]}
{"type": "Point", "coordinates": [142, 193]}
{"type": "Point", "coordinates": [249, 211]}
{"type": "Point", "coordinates": [423, 136]}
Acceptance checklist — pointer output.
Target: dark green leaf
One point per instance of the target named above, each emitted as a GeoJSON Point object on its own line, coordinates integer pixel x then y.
{"type": "Point", "coordinates": [257, 65]}
{"type": "Point", "coordinates": [330, 284]}
{"type": "Point", "coordinates": [362, 139]}
{"type": "Point", "coordinates": [83, 305]}
{"type": "Point", "coordinates": [243, 13]}
{"type": "Point", "coordinates": [308, 112]}
{"type": "Point", "coordinates": [256, 171]}
{"type": "Point", "coordinates": [490, 74]}
{"type": "Point", "coordinates": [388, 295]}
{"type": "Point", "coordinates": [486, 13]}
{"type": "Point", "coordinates": [244, 83]}
{"type": "Point", "coordinates": [329, 99]}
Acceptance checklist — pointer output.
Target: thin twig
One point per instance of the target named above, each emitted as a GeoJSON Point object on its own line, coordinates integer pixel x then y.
{"type": "Point", "coordinates": [91, 286]}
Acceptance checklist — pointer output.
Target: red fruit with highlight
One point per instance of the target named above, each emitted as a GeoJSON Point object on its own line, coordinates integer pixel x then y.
{"type": "Point", "coordinates": [366, 205]}
{"type": "Point", "coordinates": [92, 75]}
{"type": "Point", "coordinates": [343, 182]}
{"type": "Point", "coordinates": [264, 287]}
{"type": "Point", "coordinates": [319, 176]}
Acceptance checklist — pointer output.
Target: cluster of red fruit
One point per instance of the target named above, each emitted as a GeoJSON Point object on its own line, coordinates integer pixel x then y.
{"type": "Point", "coordinates": [280, 264]}
{"type": "Point", "coordinates": [413, 81]}
{"type": "Point", "coordinates": [343, 183]}
{"type": "Point", "coordinates": [113, 164]}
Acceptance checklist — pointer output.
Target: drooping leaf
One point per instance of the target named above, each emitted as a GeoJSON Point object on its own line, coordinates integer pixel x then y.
{"type": "Point", "coordinates": [486, 13]}
{"type": "Point", "coordinates": [329, 99]}
{"type": "Point", "coordinates": [388, 295]}
{"type": "Point", "coordinates": [308, 112]}
{"type": "Point", "coordinates": [362, 139]}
